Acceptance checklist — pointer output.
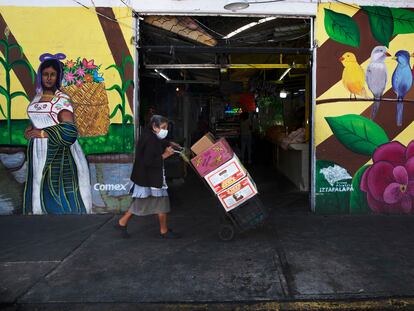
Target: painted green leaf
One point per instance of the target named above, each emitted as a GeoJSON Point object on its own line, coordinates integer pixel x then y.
{"type": "Point", "coordinates": [126, 60]}
{"type": "Point", "coordinates": [342, 28]}
{"type": "Point", "coordinates": [403, 21]}
{"type": "Point", "coordinates": [358, 200]}
{"type": "Point", "coordinates": [15, 45]}
{"type": "Point", "coordinates": [19, 93]}
{"type": "Point", "coordinates": [115, 111]}
{"type": "Point", "coordinates": [357, 133]}
{"type": "Point", "coordinates": [2, 112]}
{"type": "Point", "coordinates": [4, 92]}
{"type": "Point", "coordinates": [120, 71]}
{"type": "Point", "coordinates": [129, 119]}
{"type": "Point", "coordinates": [3, 62]}
{"type": "Point", "coordinates": [4, 43]}
{"type": "Point", "coordinates": [127, 84]}
{"type": "Point", "coordinates": [24, 63]}
{"type": "Point", "coordinates": [381, 22]}
{"type": "Point", "coordinates": [117, 88]}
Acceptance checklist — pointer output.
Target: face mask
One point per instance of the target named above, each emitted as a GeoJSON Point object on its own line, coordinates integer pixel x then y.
{"type": "Point", "coordinates": [162, 134]}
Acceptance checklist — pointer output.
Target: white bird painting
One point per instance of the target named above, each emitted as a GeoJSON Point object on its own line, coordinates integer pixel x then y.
{"type": "Point", "coordinates": [376, 76]}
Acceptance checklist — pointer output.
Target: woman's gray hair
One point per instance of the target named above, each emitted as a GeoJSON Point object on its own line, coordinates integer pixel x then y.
{"type": "Point", "coordinates": [156, 120]}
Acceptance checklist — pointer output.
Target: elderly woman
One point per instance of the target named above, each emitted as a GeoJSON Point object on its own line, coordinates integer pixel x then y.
{"type": "Point", "coordinates": [150, 189]}
{"type": "Point", "coordinates": [58, 175]}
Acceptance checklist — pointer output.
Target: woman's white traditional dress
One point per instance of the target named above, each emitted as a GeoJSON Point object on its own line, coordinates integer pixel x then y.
{"type": "Point", "coordinates": [150, 200]}
{"type": "Point", "coordinates": [58, 175]}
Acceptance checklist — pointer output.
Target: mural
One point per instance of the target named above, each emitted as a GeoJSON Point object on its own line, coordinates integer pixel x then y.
{"type": "Point", "coordinates": [57, 172]}
{"type": "Point", "coordinates": [86, 88]}
{"type": "Point", "coordinates": [97, 88]}
{"type": "Point", "coordinates": [364, 113]}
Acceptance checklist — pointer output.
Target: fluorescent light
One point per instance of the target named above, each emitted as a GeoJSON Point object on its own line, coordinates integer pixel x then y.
{"type": "Point", "coordinates": [162, 74]}
{"type": "Point", "coordinates": [264, 20]}
{"type": "Point", "coordinates": [250, 25]}
{"type": "Point", "coordinates": [283, 94]}
{"type": "Point", "coordinates": [285, 73]}
{"type": "Point", "coordinates": [233, 33]}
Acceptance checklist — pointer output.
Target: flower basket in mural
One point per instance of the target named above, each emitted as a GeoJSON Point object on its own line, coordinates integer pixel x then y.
{"type": "Point", "coordinates": [85, 86]}
{"type": "Point", "coordinates": [90, 103]}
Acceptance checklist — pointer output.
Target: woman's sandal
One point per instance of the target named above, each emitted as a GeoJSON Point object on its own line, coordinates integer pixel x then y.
{"type": "Point", "coordinates": [170, 235]}
{"type": "Point", "coordinates": [123, 229]}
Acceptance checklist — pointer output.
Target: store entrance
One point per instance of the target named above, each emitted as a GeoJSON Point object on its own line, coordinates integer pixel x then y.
{"type": "Point", "coordinates": [245, 79]}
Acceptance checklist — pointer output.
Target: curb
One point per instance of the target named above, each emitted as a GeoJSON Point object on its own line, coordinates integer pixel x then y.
{"type": "Point", "coordinates": [371, 304]}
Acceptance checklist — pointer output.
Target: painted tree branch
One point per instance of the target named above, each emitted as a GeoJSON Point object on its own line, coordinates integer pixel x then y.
{"type": "Point", "coordinates": [333, 100]}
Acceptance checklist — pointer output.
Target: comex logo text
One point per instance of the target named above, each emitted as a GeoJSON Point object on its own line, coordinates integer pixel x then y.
{"type": "Point", "coordinates": [110, 187]}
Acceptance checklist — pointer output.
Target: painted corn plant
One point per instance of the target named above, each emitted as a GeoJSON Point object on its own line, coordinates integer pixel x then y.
{"type": "Point", "coordinates": [386, 185]}
{"type": "Point", "coordinates": [121, 90]}
{"type": "Point", "coordinates": [5, 90]}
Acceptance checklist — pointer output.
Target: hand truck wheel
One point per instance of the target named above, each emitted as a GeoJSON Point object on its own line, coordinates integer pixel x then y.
{"type": "Point", "coordinates": [226, 232]}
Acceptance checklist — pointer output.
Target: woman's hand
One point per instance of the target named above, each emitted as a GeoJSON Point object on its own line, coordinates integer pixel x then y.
{"type": "Point", "coordinates": [27, 130]}
{"type": "Point", "coordinates": [169, 151]}
{"type": "Point", "coordinates": [175, 145]}
{"type": "Point", "coordinates": [35, 133]}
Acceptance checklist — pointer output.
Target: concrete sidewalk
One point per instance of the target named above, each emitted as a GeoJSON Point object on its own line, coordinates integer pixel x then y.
{"type": "Point", "coordinates": [296, 261]}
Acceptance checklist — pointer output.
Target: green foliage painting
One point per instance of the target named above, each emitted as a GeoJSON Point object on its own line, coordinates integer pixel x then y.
{"type": "Point", "coordinates": [403, 21]}
{"type": "Point", "coordinates": [342, 28]}
{"type": "Point", "coordinates": [357, 133]}
{"type": "Point", "coordinates": [384, 23]}
{"type": "Point", "coordinates": [5, 90]}
{"type": "Point", "coordinates": [358, 200]}
{"type": "Point", "coordinates": [121, 90]}
{"type": "Point", "coordinates": [109, 143]}
{"type": "Point", "coordinates": [381, 23]}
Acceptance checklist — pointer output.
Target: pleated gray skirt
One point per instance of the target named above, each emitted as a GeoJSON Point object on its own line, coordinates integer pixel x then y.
{"type": "Point", "coordinates": [149, 200]}
{"type": "Point", "coordinates": [150, 205]}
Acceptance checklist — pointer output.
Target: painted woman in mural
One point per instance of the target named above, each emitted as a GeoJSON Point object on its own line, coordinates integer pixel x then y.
{"type": "Point", "coordinates": [58, 175]}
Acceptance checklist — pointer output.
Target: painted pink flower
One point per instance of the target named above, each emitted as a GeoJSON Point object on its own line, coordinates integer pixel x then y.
{"type": "Point", "coordinates": [79, 83]}
{"type": "Point", "coordinates": [80, 72]}
{"type": "Point", "coordinates": [88, 64]}
{"type": "Point", "coordinates": [69, 77]}
{"type": "Point", "coordinates": [389, 182]}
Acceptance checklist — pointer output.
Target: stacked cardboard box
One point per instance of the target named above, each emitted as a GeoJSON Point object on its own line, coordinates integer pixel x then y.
{"type": "Point", "coordinates": [216, 162]}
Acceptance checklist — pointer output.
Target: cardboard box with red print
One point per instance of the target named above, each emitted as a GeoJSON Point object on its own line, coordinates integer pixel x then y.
{"type": "Point", "coordinates": [226, 175]}
{"type": "Point", "coordinates": [240, 192]}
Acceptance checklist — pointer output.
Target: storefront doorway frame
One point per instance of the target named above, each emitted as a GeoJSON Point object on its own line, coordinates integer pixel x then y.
{"type": "Point", "coordinates": [310, 88]}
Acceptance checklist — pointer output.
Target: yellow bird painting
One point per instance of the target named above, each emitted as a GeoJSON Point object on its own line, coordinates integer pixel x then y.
{"type": "Point", "coordinates": [353, 76]}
